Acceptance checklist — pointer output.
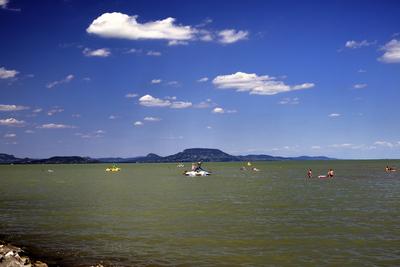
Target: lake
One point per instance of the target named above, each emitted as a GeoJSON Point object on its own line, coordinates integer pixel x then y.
{"type": "Point", "coordinates": [150, 214]}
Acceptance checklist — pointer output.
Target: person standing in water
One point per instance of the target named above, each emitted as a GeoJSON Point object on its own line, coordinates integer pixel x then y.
{"type": "Point", "coordinates": [309, 173]}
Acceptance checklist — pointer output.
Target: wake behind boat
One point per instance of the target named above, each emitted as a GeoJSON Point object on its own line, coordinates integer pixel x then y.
{"type": "Point", "coordinates": [196, 173]}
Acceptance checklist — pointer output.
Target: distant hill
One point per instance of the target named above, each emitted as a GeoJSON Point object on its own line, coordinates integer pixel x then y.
{"type": "Point", "coordinates": [188, 155]}
{"type": "Point", "coordinates": [7, 159]}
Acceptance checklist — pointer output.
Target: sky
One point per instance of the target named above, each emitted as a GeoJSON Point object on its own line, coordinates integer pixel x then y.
{"type": "Point", "coordinates": [128, 78]}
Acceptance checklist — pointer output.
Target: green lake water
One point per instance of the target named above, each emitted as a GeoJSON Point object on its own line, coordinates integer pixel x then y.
{"type": "Point", "coordinates": [150, 214]}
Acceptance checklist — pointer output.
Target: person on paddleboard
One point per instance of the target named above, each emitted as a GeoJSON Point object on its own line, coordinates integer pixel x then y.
{"type": "Point", "coordinates": [309, 173]}
{"type": "Point", "coordinates": [330, 173]}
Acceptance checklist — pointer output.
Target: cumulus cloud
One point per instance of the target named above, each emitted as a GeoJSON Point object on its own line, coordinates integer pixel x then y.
{"type": "Point", "coordinates": [56, 126]}
{"type": "Point", "coordinates": [290, 101]}
{"type": "Point", "coordinates": [112, 117]}
{"type": "Point", "coordinates": [131, 95]}
{"type": "Point", "coordinates": [360, 85]}
{"type": "Point", "coordinates": [334, 115]}
{"type": "Point", "coordinates": [355, 44]}
{"type": "Point", "coordinates": [202, 80]}
{"type": "Point", "coordinates": [155, 81]}
{"type": "Point", "coordinates": [119, 25]}
{"type": "Point", "coordinates": [65, 80]}
{"type": "Point", "coordinates": [149, 101]}
{"type": "Point", "coordinates": [231, 36]}
{"type": "Point", "coordinates": [12, 108]}
{"type": "Point", "coordinates": [391, 52]}
{"type": "Point", "coordinates": [153, 53]}
{"type": "Point", "coordinates": [219, 110]}
{"type": "Point", "coordinates": [12, 122]}
{"type": "Point", "coordinates": [181, 104]}
{"type": "Point", "coordinates": [315, 147]}
{"type": "Point", "coordinates": [151, 119]}
{"type": "Point", "coordinates": [138, 123]}
{"type": "Point", "coordinates": [7, 74]}
{"type": "Point", "coordinates": [102, 52]}
{"type": "Point", "coordinates": [256, 85]}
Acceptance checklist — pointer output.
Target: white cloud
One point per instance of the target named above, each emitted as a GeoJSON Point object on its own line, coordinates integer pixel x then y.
{"type": "Point", "coordinates": [76, 115]}
{"type": "Point", "coordinates": [361, 71]}
{"type": "Point", "coordinates": [112, 117]}
{"type": "Point", "coordinates": [354, 44]}
{"type": "Point", "coordinates": [138, 123]}
{"type": "Point", "coordinates": [254, 84]}
{"type": "Point", "coordinates": [149, 101]}
{"type": "Point", "coordinates": [3, 3]}
{"type": "Point", "coordinates": [202, 80]}
{"type": "Point", "coordinates": [334, 115]}
{"type": "Point", "coordinates": [7, 74]}
{"type": "Point", "coordinates": [153, 53]}
{"type": "Point", "coordinates": [151, 119]}
{"type": "Point", "coordinates": [391, 52]}
{"type": "Point", "coordinates": [176, 42]}
{"type": "Point", "coordinates": [360, 85]}
{"type": "Point", "coordinates": [209, 127]}
{"type": "Point", "coordinates": [65, 80]}
{"type": "Point", "coordinates": [10, 135]}
{"type": "Point", "coordinates": [170, 97]}
{"type": "Point", "coordinates": [56, 126]}
{"type": "Point", "coordinates": [219, 110]}
{"type": "Point", "coordinates": [102, 52]}
{"type": "Point", "coordinates": [11, 122]}
{"type": "Point", "coordinates": [131, 95]}
{"type": "Point", "coordinates": [29, 131]}
{"type": "Point", "coordinates": [55, 110]}
{"type": "Point", "coordinates": [181, 104]}
{"type": "Point", "coordinates": [384, 144]}
{"type": "Point", "coordinates": [119, 25]}
{"type": "Point", "coordinates": [231, 36]}
{"type": "Point", "coordinates": [37, 110]}
{"type": "Point", "coordinates": [156, 81]}
{"type": "Point", "coordinates": [316, 147]}
{"type": "Point", "coordinates": [12, 108]}
{"type": "Point", "coordinates": [290, 101]}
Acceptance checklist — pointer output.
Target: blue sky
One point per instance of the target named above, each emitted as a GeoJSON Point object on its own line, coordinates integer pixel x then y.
{"type": "Point", "coordinates": [126, 78]}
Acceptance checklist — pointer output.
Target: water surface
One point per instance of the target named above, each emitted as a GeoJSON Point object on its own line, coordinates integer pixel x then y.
{"type": "Point", "coordinates": [149, 214]}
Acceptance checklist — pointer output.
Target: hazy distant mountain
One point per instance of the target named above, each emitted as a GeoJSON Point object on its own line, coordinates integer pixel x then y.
{"type": "Point", "coordinates": [6, 158]}
{"type": "Point", "coordinates": [188, 155]}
